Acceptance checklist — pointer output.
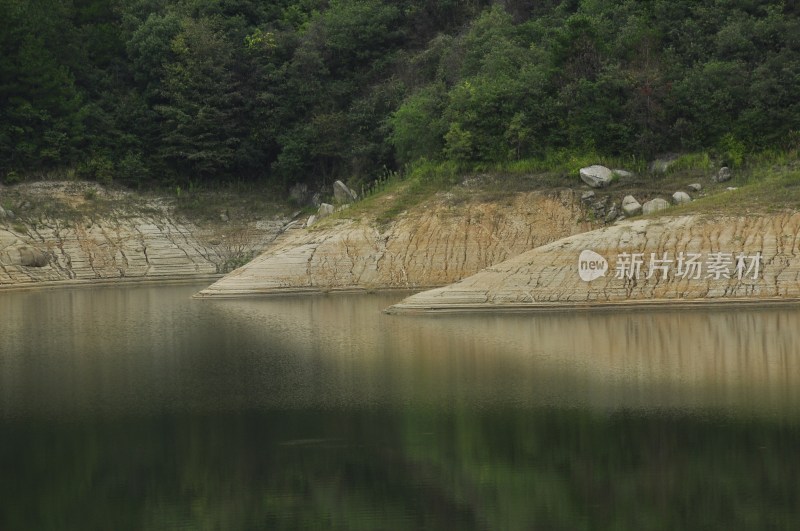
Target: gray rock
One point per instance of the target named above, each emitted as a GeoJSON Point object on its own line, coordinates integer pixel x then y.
{"type": "Point", "coordinates": [596, 176]}
{"type": "Point", "coordinates": [613, 214]}
{"type": "Point", "coordinates": [223, 216]}
{"type": "Point", "coordinates": [316, 200]}
{"type": "Point", "coordinates": [731, 189]}
{"type": "Point", "coordinates": [587, 197]}
{"type": "Point", "coordinates": [630, 206]}
{"type": "Point", "coordinates": [31, 257]}
{"type": "Point", "coordinates": [325, 210]}
{"type": "Point", "coordinates": [621, 218]}
{"type": "Point", "coordinates": [343, 194]}
{"type": "Point", "coordinates": [680, 198]}
{"type": "Point", "coordinates": [10, 214]}
{"type": "Point", "coordinates": [662, 164]}
{"type": "Point", "coordinates": [3, 212]}
{"type": "Point", "coordinates": [654, 205]}
{"type": "Point", "coordinates": [311, 220]}
{"type": "Point", "coordinates": [293, 225]}
{"type": "Point", "coordinates": [723, 175]}
{"type": "Point", "coordinates": [695, 187]}
{"type": "Point", "coordinates": [599, 208]}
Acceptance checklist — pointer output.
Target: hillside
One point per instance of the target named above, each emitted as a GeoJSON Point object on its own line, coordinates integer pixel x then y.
{"type": "Point", "coordinates": [447, 235]}
{"type": "Point", "coordinates": [155, 93]}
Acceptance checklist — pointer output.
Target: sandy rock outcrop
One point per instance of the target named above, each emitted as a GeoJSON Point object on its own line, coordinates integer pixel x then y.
{"type": "Point", "coordinates": [142, 241]}
{"type": "Point", "coordinates": [685, 259]}
{"type": "Point", "coordinates": [432, 246]}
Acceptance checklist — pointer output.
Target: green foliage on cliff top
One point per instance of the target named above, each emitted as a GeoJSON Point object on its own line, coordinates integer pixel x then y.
{"type": "Point", "coordinates": [167, 92]}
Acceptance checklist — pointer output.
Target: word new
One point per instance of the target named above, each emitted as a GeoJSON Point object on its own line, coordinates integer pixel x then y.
{"type": "Point", "coordinates": [692, 266]}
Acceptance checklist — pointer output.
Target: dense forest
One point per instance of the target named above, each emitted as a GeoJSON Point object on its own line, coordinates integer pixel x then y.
{"type": "Point", "coordinates": [156, 91]}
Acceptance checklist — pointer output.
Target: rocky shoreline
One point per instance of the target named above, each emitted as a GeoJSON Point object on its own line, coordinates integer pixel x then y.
{"type": "Point", "coordinates": [433, 245]}
{"type": "Point", "coordinates": [681, 262]}
{"type": "Point", "coordinates": [526, 251]}
{"type": "Point", "coordinates": [76, 233]}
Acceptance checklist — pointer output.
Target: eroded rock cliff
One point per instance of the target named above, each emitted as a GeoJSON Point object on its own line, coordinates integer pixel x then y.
{"type": "Point", "coordinates": [690, 259]}
{"type": "Point", "coordinates": [65, 236]}
{"type": "Point", "coordinates": [437, 243]}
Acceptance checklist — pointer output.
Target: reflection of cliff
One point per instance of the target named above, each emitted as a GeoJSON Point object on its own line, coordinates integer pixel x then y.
{"type": "Point", "coordinates": [352, 354]}
{"type": "Point", "coordinates": [433, 245]}
{"type": "Point", "coordinates": [549, 274]}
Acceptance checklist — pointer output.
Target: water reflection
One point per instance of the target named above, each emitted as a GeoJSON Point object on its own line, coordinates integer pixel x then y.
{"type": "Point", "coordinates": [466, 469]}
{"type": "Point", "coordinates": [717, 358]}
{"type": "Point", "coordinates": [153, 350]}
{"type": "Point", "coordinates": [139, 408]}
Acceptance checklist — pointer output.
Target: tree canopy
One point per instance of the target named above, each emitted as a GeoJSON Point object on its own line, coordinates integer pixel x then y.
{"type": "Point", "coordinates": [311, 90]}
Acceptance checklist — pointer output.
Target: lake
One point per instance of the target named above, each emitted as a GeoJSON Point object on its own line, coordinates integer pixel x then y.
{"type": "Point", "coordinates": [140, 408]}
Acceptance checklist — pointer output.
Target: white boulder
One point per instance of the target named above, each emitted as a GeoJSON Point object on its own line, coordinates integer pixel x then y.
{"type": "Point", "coordinates": [596, 176]}
{"type": "Point", "coordinates": [654, 205]}
{"type": "Point", "coordinates": [630, 206]}
{"type": "Point", "coordinates": [680, 198]}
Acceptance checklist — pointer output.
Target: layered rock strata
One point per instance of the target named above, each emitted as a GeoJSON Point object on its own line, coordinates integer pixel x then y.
{"type": "Point", "coordinates": [139, 242]}
{"type": "Point", "coordinates": [690, 260]}
{"type": "Point", "coordinates": [432, 246]}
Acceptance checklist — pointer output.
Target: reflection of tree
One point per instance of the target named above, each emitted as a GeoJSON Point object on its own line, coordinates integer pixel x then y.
{"type": "Point", "coordinates": [462, 469]}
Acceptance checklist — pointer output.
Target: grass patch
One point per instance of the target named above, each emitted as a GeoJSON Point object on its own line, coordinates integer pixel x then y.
{"type": "Point", "coordinates": [692, 162]}
{"type": "Point", "coordinates": [238, 200]}
{"type": "Point", "coordinates": [561, 166]}
{"type": "Point", "coordinates": [766, 182]}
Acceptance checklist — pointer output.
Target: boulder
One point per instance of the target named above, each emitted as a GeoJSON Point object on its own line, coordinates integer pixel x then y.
{"type": "Point", "coordinates": [662, 164]}
{"type": "Point", "coordinates": [613, 213]}
{"type": "Point", "coordinates": [325, 210]}
{"type": "Point", "coordinates": [293, 225]}
{"type": "Point", "coordinates": [680, 198]}
{"type": "Point", "coordinates": [587, 197]}
{"type": "Point", "coordinates": [31, 257]}
{"type": "Point", "coordinates": [695, 187]}
{"type": "Point", "coordinates": [630, 206]}
{"type": "Point", "coordinates": [654, 205]}
{"type": "Point", "coordinates": [723, 175]}
{"type": "Point", "coordinates": [316, 200]}
{"type": "Point", "coordinates": [311, 220]}
{"type": "Point", "coordinates": [343, 194]}
{"type": "Point", "coordinates": [596, 176]}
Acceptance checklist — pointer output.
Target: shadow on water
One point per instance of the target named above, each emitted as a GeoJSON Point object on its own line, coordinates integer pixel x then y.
{"type": "Point", "coordinates": [138, 408]}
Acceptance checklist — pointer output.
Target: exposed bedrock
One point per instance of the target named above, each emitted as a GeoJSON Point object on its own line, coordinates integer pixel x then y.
{"type": "Point", "coordinates": [687, 259]}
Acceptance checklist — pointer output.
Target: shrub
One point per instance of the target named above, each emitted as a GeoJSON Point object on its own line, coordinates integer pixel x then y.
{"type": "Point", "coordinates": [97, 168]}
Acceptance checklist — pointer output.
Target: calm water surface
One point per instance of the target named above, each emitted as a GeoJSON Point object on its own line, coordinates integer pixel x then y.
{"type": "Point", "coordinates": [140, 408]}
